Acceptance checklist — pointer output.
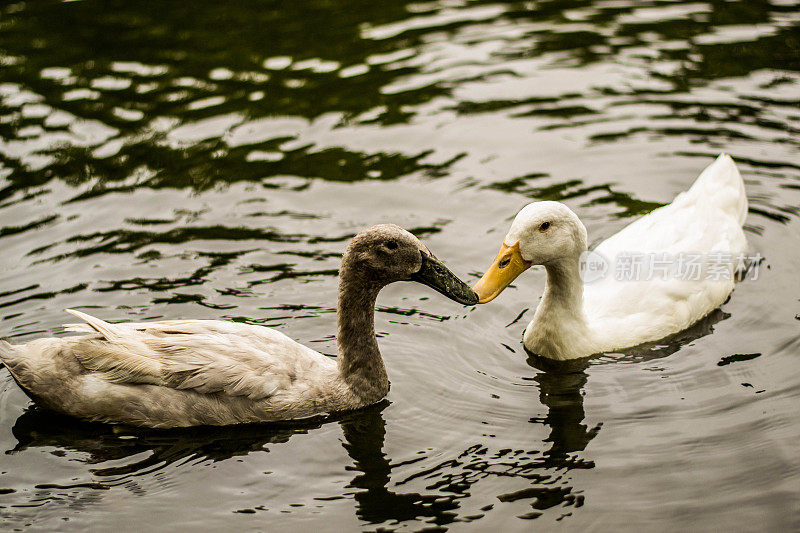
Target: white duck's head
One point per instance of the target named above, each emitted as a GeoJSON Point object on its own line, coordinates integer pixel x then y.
{"type": "Point", "coordinates": [542, 233]}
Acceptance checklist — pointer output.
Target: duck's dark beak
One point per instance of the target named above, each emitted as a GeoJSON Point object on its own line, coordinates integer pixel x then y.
{"type": "Point", "coordinates": [435, 275]}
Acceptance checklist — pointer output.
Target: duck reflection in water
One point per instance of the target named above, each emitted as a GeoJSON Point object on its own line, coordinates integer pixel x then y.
{"type": "Point", "coordinates": [546, 468]}
{"type": "Point", "coordinates": [562, 393]}
{"type": "Point", "coordinates": [364, 433]}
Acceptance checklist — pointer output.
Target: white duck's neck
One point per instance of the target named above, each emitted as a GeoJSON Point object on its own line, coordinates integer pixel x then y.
{"type": "Point", "coordinates": [559, 329]}
{"type": "Point", "coordinates": [359, 359]}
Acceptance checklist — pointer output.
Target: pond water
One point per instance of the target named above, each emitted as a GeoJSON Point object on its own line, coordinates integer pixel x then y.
{"type": "Point", "coordinates": [211, 160]}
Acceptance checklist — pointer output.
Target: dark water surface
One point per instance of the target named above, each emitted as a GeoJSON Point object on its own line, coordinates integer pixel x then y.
{"type": "Point", "coordinates": [211, 159]}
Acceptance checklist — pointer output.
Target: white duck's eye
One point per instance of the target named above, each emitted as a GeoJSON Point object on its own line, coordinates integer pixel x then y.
{"type": "Point", "coordinates": [391, 245]}
{"type": "Point", "coordinates": [544, 226]}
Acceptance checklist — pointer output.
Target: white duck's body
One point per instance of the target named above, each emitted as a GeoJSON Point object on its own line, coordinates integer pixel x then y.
{"type": "Point", "coordinates": [181, 373]}
{"type": "Point", "coordinates": [625, 309]}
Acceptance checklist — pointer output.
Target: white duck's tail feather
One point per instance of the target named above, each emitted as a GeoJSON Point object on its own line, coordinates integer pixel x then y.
{"type": "Point", "coordinates": [721, 185]}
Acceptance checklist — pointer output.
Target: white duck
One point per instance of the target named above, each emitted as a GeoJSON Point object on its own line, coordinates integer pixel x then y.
{"type": "Point", "coordinates": [577, 319]}
{"type": "Point", "coordinates": [209, 372]}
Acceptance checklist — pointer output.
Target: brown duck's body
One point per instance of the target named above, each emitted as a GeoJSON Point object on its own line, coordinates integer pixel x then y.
{"type": "Point", "coordinates": [207, 372]}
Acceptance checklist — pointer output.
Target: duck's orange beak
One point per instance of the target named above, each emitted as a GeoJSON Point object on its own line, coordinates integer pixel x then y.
{"type": "Point", "coordinates": [504, 269]}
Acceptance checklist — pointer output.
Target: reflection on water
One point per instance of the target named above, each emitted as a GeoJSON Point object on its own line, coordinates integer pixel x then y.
{"type": "Point", "coordinates": [103, 444]}
{"type": "Point", "coordinates": [545, 468]}
{"type": "Point", "coordinates": [211, 160]}
{"type": "Point", "coordinates": [375, 503]}
{"type": "Point", "coordinates": [117, 456]}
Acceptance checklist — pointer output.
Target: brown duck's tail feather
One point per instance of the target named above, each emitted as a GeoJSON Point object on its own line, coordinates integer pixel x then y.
{"type": "Point", "coordinates": [9, 357]}
{"type": "Point", "coordinates": [5, 348]}
{"type": "Point", "coordinates": [100, 326]}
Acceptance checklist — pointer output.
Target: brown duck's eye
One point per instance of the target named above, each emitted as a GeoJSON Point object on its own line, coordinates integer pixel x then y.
{"type": "Point", "coordinates": [391, 245]}
{"type": "Point", "coordinates": [544, 226]}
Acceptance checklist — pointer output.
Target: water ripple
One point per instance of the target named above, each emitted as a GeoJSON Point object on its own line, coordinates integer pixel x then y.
{"type": "Point", "coordinates": [200, 160]}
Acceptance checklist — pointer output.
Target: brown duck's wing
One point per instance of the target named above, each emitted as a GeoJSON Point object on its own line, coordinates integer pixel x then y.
{"type": "Point", "coordinates": [206, 356]}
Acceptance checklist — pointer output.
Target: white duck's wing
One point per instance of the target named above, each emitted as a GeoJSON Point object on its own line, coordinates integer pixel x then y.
{"type": "Point", "coordinates": [701, 223]}
{"type": "Point", "coordinates": [708, 217]}
{"type": "Point", "coordinates": [204, 356]}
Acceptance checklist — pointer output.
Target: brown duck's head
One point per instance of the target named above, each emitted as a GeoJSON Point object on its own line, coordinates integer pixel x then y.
{"type": "Point", "coordinates": [386, 253]}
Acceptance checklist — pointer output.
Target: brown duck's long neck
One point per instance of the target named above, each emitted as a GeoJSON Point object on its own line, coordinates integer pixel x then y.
{"type": "Point", "coordinates": [360, 362]}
